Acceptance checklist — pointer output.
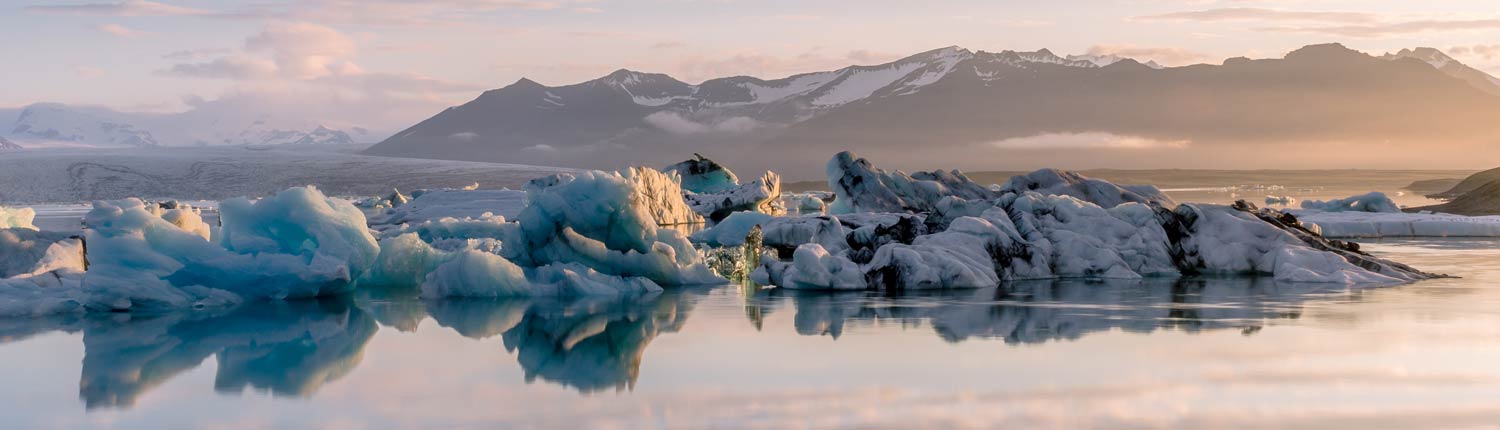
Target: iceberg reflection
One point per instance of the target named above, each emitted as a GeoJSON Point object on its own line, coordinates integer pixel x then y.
{"type": "Point", "coordinates": [292, 348]}
{"type": "Point", "coordinates": [1041, 311]}
{"type": "Point", "coordinates": [288, 348]}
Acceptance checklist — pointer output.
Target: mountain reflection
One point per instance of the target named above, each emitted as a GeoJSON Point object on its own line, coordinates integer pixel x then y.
{"type": "Point", "coordinates": [293, 348]}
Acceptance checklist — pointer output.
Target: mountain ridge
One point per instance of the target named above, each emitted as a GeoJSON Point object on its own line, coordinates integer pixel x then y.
{"type": "Point", "coordinates": [977, 106]}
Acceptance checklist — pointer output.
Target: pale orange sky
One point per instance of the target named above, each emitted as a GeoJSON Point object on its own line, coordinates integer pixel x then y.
{"type": "Point", "coordinates": [338, 58]}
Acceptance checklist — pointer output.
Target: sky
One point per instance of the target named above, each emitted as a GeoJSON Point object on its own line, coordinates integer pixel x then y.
{"type": "Point", "coordinates": [394, 62]}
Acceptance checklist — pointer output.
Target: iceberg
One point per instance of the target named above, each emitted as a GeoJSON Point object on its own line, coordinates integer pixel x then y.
{"type": "Point", "coordinates": [1370, 225]}
{"type": "Point", "coordinates": [761, 195]}
{"type": "Point", "coordinates": [704, 176]}
{"type": "Point", "coordinates": [17, 218]}
{"type": "Point", "coordinates": [1096, 191]}
{"type": "Point", "coordinates": [435, 204]}
{"type": "Point", "coordinates": [940, 230]}
{"type": "Point", "coordinates": [594, 233]}
{"type": "Point", "coordinates": [1374, 201]}
{"type": "Point", "coordinates": [297, 243]}
{"type": "Point", "coordinates": [859, 186]}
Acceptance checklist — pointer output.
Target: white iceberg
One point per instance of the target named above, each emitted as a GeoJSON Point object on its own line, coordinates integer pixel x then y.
{"type": "Point", "coordinates": [1096, 191]}
{"type": "Point", "coordinates": [704, 176]}
{"type": "Point", "coordinates": [859, 186]}
{"type": "Point", "coordinates": [17, 218]}
{"type": "Point", "coordinates": [1373, 201]}
{"type": "Point", "coordinates": [1369, 225]}
{"type": "Point", "coordinates": [761, 195]}
{"type": "Point", "coordinates": [951, 236]}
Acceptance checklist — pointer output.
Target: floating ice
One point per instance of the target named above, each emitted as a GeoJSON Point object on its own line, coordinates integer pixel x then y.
{"type": "Point", "coordinates": [806, 203]}
{"type": "Point", "coordinates": [1387, 224]}
{"type": "Point", "coordinates": [17, 218]}
{"type": "Point", "coordinates": [946, 233]}
{"type": "Point", "coordinates": [1373, 201]}
{"type": "Point", "coordinates": [595, 233]}
{"type": "Point", "coordinates": [704, 176]}
{"type": "Point", "coordinates": [761, 195]}
{"type": "Point", "coordinates": [1096, 191]}
{"type": "Point", "coordinates": [732, 230]}
{"type": "Point", "coordinates": [436, 204]}
{"type": "Point", "coordinates": [859, 186]}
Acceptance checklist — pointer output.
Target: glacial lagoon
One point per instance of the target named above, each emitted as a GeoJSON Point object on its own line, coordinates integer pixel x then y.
{"type": "Point", "coordinates": [1189, 353]}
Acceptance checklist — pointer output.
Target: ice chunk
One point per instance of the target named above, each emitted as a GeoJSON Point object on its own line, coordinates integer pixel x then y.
{"type": "Point", "coordinates": [761, 195]}
{"type": "Point", "coordinates": [814, 268]}
{"type": "Point", "coordinates": [17, 218]}
{"type": "Point", "coordinates": [1241, 239]}
{"type": "Point", "coordinates": [957, 258]}
{"type": "Point", "coordinates": [859, 186]}
{"type": "Point", "coordinates": [1096, 191]}
{"type": "Point", "coordinates": [704, 176]}
{"type": "Point", "coordinates": [1373, 201]}
{"type": "Point", "coordinates": [476, 274]}
{"type": "Point", "coordinates": [1386, 224]}
{"type": "Point", "coordinates": [805, 203]}
{"type": "Point", "coordinates": [732, 230]}
{"type": "Point", "coordinates": [438, 204]}
{"type": "Point", "coordinates": [297, 243]}
{"type": "Point", "coordinates": [26, 252]}
{"type": "Point", "coordinates": [662, 193]}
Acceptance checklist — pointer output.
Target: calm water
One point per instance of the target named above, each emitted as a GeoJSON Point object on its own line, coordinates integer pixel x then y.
{"type": "Point", "coordinates": [1227, 353]}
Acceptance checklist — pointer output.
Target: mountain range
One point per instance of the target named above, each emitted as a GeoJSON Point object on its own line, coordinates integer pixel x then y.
{"type": "Point", "coordinates": [953, 107]}
{"type": "Point", "coordinates": [43, 125]}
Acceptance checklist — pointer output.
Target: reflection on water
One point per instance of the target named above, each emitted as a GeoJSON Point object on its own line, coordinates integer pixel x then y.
{"type": "Point", "coordinates": [288, 349]}
{"type": "Point", "coordinates": [1041, 311]}
{"type": "Point", "coordinates": [293, 348]}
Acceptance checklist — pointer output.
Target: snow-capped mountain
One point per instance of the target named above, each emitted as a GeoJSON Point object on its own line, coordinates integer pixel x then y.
{"type": "Point", "coordinates": [7, 145]}
{"type": "Point", "coordinates": [1452, 67]}
{"type": "Point", "coordinates": [1102, 60]}
{"type": "Point", "coordinates": [260, 133]}
{"type": "Point", "coordinates": [56, 123]}
{"type": "Point", "coordinates": [954, 103]}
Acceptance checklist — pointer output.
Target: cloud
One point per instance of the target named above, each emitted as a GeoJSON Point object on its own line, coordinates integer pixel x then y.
{"type": "Point", "coordinates": [1165, 55]}
{"type": "Point", "coordinates": [1392, 28]}
{"type": "Point", "coordinates": [1259, 14]}
{"type": "Point", "coordinates": [125, 8]}
{"type": "Point", "coordinates": [1090, 140]}
{"type": "Point", "coordinates": [121, 31]}
{"type": "Point", "coordinates": [464, 136]}
{"type": "Point", "coordinates": [237, 67]}
{"type": "Point", "coordinates": [674, 123]}
{"type": "Point", "coordinates": [1487, 52]}
{"type": "Point", "coordinates": [797, 18]}
{"type": "Point", "coordinates": [196, 54]}
{"type": "Point", "coordinates": [133, 8]}
{"type": "Point", "coordinates": [88, 72]}
{"type": "Point", "coordinates": [303, 50]}
{"type": "Point", "coordinates": [588, 10]}
{"type": "Point", "coordinates": [700, 66]}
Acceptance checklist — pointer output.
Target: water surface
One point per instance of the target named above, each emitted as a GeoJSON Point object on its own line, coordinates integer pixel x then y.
{"type": "Point", "coordinates": [1237, 353]}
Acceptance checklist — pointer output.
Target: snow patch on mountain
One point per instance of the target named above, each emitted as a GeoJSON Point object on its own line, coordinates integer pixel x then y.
{"type": "Point", "coordinates": [57, 123]}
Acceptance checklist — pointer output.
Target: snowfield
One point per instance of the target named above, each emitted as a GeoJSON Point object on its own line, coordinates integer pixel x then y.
{"type": "Point", "coordinates": [217, 173]}
{"type": "Point", "coordinates": [623, 234]}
